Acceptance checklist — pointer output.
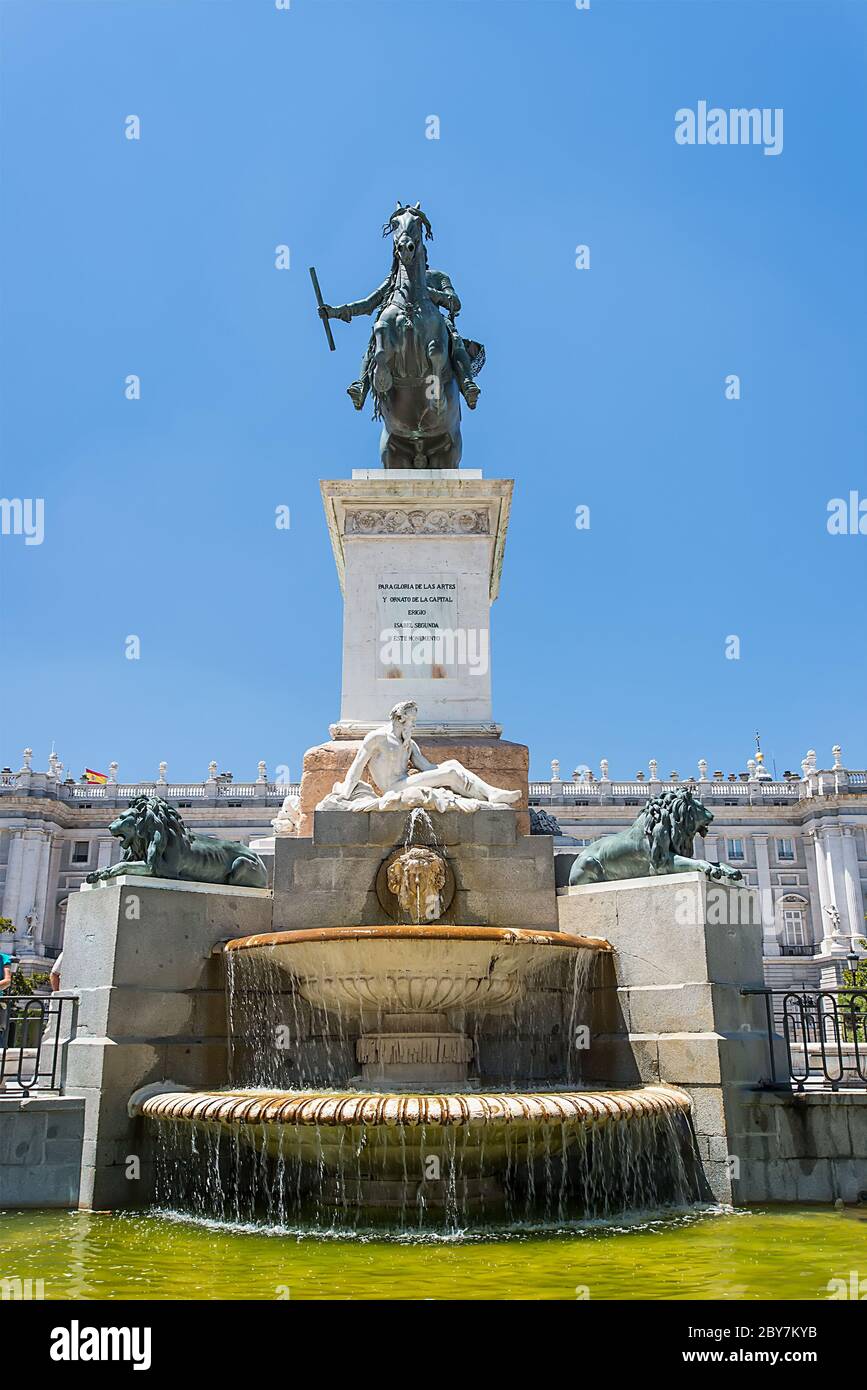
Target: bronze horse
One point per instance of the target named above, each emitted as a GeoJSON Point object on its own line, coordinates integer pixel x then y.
{"type": "Point", "coordinates": [416, 363]}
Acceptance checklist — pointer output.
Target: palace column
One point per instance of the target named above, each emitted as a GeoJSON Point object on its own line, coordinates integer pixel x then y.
{"type": "Point", "coordinates": [817, 927]}
{"type": "Point", "coordinates": [833, 837]}
{"type": "Point", "coordinates": [48, 932]}
{"type": "Point", "coordinates": [852, 878]}
{"type": "Point", "coordinates": [39, 902]}
{"type": "Point", "coordinates": [831, 892]}
{"type": "Point", "coordinates": [27, 875]}
{"type": "Point", "coordinates": [770, 942]}
{"type": "Point", "coordinates": [825, 900]}
{"type": "Point", "coordinates": [13, 876]}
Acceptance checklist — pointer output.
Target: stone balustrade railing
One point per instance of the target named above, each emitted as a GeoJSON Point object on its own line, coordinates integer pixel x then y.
{"type": "Point", "coordinates": [750, 792]}
{"type": "Point", "coordinates": [41, 784]}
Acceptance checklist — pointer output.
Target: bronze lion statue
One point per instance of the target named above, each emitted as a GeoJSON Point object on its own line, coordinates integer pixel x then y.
{"type": "Point", "coordinates": [659, 841]}
{"type": "Point", "coordinates": [156, 842]}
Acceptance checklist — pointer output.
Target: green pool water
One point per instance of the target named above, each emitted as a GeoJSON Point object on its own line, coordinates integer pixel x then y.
{"type": "Point", "coordinates": [789, 1253]}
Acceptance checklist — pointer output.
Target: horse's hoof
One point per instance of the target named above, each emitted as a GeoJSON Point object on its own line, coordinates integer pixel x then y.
{"type": "Point", "coordinates": [471, 393]}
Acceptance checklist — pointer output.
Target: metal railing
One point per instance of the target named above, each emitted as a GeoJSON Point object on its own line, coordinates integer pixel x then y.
{"type": "Point", "coordinates": [818, 1037]}
{"type": "Point", "coordinates": [34, 1031]}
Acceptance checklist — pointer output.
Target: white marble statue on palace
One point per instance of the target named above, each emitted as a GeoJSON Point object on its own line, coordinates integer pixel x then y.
{"type": "Point", "coordinates": [405, 778]}
{"type": "Point", "coordinates": [288, 819]}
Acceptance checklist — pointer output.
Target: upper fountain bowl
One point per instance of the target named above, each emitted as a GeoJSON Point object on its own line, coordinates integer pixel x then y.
{"type": "Point", "coordinates": [406, 969]}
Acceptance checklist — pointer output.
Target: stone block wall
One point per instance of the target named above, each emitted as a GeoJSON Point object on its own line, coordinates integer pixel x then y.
{"type": "Point", "coordinates": [41, 1144]}
{"type": "Point", "coordinates": [808, 1147]}
{"type": "Point", "coordinates": [140, 954]}
{"type": "Point", "coordinates": [667, 1005]}
{"type": "Point", "coordinates": [502, 878]}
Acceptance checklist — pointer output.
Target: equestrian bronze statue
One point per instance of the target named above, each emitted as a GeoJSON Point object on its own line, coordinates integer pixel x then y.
{"type": "Point", "coordinates": [416, 364]}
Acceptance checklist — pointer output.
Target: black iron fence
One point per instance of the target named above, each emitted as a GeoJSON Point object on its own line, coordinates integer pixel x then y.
{"type": "Point", "coordinates": [817, 1039]}
{"type": "Point", "coordinates": [34, 1029]}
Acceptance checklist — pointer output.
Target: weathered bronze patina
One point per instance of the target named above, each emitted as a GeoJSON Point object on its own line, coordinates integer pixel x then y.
{"type": "Point", "coordinates": [157, 843]}
{"type": "Point", "coordinates": [416, 363]}
{"type": "Point", "coordinates": [659, 841]}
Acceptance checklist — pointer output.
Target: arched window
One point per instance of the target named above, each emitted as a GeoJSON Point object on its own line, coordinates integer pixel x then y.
{"type": "Point", "coordinates": [795, 936]}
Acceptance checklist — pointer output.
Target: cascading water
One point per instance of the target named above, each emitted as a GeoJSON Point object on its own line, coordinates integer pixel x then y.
{"type": "Point", "coordinates": [544, 1171]}
{"type": "Point", "coordinates": [419, 821]}
{"type": "Point", "coordinates": [301, 1139]}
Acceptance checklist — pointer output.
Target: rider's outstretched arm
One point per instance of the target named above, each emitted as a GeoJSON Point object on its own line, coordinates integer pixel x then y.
{"type": "Point", "coordinates": [358, 306]}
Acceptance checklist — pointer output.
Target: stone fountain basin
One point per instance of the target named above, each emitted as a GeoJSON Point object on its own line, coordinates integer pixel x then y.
{"type": "Point", "coordinates": [382, 1135]}
{"type": "Point", "coordinates": [413, 970]}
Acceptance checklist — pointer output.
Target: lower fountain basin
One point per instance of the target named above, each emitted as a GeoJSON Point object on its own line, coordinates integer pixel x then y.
{"type": "Point", "coordinates": [383, 1136]}
{"type": "Point", "coordinates": [406, 969]}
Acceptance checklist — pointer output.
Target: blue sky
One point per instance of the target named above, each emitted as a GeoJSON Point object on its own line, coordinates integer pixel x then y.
{"type": "Point", "coordinates": [603, 387]}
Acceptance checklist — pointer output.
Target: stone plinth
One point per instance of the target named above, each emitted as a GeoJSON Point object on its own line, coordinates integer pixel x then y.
{"type": "Point", "coordinates": [499, 762]}
{"type": "Point", "coordinates": [667, 1005]}
{"type": "Point", "coordinates": [414, 1050]}
{"type": "Point", "coordinates": [502, 879]}
{"type": "Point", "coordinates": [138, 952]}
{"type": "Point", "coordinates": [417, 557]}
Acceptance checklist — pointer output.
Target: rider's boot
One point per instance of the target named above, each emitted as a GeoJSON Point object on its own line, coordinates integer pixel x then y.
{"type": "Point", "coordinates": [357, 393]}
{"type": "Point", "coordinates": [470, 391]}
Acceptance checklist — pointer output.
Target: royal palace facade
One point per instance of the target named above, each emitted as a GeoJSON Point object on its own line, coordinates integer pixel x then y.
{"type": "Point", "coordinates": [802, 841]}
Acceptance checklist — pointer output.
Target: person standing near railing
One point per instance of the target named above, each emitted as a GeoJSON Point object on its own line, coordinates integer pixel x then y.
{"type": "Point", "coordinates": [5, 986]}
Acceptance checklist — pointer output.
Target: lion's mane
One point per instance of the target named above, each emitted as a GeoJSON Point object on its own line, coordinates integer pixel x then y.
{"type": "Point", "coordinates": [670, 824]}
{"type": "Point", "coordinates": [158, 827]}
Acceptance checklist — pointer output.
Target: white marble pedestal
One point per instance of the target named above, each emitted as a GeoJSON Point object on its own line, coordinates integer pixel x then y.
{"type": "Point", "coordinates": [419, 555]}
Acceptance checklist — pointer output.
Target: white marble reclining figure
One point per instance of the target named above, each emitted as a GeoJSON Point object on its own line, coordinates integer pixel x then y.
{"type": "Point", "coordinates": [389, 754]}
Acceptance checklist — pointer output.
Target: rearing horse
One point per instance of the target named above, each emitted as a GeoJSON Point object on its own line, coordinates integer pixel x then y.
{"type": "Point", "coordinates": [417, 364]}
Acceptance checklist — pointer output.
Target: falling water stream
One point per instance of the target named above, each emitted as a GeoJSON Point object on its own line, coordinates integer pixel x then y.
{"type": "Point", "coordinates": [417, 1177]}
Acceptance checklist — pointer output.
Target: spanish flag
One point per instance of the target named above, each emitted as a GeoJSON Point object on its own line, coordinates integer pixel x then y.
{"type": "Point", "coordinates": [99, 778]}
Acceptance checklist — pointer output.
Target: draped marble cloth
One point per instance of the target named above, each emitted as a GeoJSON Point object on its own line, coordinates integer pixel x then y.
{"type": "Point", "coordinates": [366, 798]}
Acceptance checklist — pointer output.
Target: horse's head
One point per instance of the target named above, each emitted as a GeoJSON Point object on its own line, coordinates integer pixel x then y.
{"type": "Point", "coordinates": [408, 227]}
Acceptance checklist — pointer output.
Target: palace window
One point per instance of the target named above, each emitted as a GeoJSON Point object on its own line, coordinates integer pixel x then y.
{"type": "Point", "coordinates": [735, 849]}
{"type": "Point", "coordinates": [786, 850]}
{"type": "Point", "coordinates": [80, 851]}
{"type": "Point", "coordinates": [794, 927]}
